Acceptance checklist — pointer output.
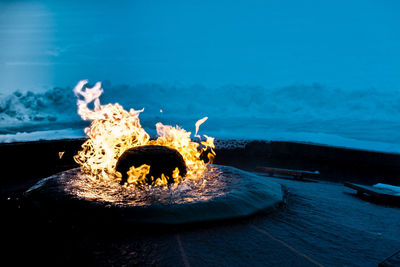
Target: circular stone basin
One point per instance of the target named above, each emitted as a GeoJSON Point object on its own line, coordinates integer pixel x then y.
{"type": "Point", "coordinates": [223, 193]}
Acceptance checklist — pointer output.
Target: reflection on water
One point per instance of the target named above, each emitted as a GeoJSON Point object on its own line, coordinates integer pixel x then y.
{"type": "Point", "coordinates": [215, 182]}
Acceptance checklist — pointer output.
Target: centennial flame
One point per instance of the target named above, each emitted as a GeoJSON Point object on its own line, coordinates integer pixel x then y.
{"type": "Point", "coordinates": [114, 130]}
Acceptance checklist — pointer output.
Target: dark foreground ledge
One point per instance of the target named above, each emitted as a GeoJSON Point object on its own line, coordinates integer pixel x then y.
{"type": "Point", "coordinates": [320, 223]}
{"type": "Point", "coordinates": [27, 162]}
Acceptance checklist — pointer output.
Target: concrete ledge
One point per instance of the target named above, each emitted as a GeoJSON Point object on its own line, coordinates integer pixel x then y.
{"type": "Point", "coordinates": [31, 161]}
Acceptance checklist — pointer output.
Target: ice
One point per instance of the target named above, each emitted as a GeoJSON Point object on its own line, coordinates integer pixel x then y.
{"type": "Point", "coordinates": [42, 135]}
{"type": "Point", "coordinates": [393, 188]}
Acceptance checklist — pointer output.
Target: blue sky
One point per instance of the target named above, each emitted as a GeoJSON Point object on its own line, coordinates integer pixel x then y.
{"type": "Point", "coordinates": [346, 44]}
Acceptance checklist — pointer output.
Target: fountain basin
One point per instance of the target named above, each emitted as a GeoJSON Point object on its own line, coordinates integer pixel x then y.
{"type": "Point", "coordinates": [224, 193]}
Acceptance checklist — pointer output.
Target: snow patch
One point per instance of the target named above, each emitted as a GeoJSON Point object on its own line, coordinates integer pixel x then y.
{"type": "Point", "coordinates": [42, 135]}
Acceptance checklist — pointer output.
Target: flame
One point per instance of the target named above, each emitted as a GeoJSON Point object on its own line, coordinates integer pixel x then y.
{"type": "Point", "coordinates": [113, 130]}
{"type": "Point", "coordinates": [198, 123]}
{"type": "Point", "coordinates": [137, 175]}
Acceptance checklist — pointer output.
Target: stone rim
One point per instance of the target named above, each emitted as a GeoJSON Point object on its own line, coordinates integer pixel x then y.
{"type": "Point", "coordinates": [255, 194]}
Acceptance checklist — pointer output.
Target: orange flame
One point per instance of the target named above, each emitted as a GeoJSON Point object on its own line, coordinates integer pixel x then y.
{"type": "Point", "coordinates": [114, 130]}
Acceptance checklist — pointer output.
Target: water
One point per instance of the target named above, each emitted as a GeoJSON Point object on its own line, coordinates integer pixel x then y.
{"type": "Point", "coordinates": [212, 185]}
{"type": "Point", "coordinates": [221, 193]}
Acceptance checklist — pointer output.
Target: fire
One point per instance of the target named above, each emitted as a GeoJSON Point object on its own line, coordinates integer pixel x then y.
{"type": "Point", "coordinates": [114, 130]}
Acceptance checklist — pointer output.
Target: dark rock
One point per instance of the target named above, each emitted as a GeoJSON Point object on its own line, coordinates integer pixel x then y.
{"type": "Point", "coordinates": [162, 160]}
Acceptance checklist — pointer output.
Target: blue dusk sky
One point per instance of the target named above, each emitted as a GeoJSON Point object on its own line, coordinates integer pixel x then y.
{"type": "Point", "coordinates": [341, 43]}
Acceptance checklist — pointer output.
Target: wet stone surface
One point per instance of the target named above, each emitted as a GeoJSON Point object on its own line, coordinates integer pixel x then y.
{"type": "Point", "coordinates": [321, 224]}
{"type": "Point", "coordinates": [221, 193]}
